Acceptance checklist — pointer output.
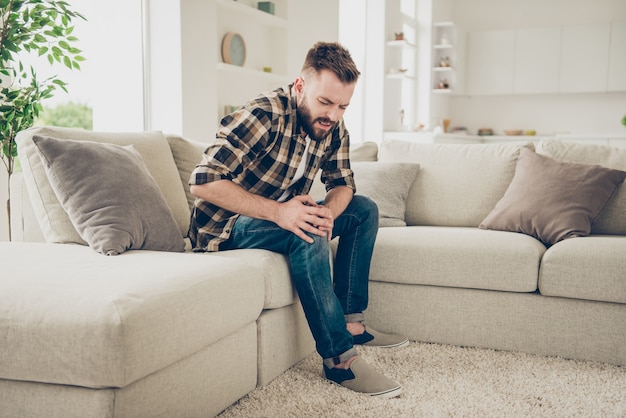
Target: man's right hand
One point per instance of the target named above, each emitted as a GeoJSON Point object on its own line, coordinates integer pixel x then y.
{"type": "Point", "coordinates": [301, 214]}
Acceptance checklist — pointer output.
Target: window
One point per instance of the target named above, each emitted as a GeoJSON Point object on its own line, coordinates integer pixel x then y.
{"type": "Point", "coordinates": [110, 80]}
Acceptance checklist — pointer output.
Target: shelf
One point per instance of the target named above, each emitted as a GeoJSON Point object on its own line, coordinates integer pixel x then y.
{"type": "Point", "coordinates": [443, 69]}
{"type": "Point", "coordinates": [443, 46]}
{"type": "Point", "coordinates": [400, 44]}
{"type": "Point", "coordinates": [442, 91]}
{"type": "Point", "coordinates": [399, 76]}
{"type": "Point", "coordinates": [229, 68]}
{"type": "Point", "coordinates": [258, 15]}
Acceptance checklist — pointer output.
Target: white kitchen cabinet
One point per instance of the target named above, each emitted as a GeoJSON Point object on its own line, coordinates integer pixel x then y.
{"type": "Point", "coordinates": [490, 62]}
{"type": "Point", "coordinates": [617, 58]}
{"type": "Point", "coordinates": [537, 55]}
{"type": "Point", "coordinates": [585, 58]}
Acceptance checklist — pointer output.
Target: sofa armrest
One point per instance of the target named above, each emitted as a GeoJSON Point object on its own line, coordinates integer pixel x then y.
{"type": "Point", "coordinates": [24, 224]}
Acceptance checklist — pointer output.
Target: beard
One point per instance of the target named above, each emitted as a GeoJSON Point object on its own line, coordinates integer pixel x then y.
{"type": "Point", "coordinates": [306, 121]}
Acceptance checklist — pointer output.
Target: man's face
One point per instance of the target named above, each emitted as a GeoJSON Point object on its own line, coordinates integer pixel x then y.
{"type": "Point", "coordinates": [322, 101]}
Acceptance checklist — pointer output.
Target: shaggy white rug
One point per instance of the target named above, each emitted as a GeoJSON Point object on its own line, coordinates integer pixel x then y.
{"type": "Point", "coordinates": [442, 380]}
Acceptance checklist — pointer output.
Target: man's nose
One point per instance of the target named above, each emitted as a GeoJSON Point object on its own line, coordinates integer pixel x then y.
{"type": "Point", "coordinates": [334, 113]}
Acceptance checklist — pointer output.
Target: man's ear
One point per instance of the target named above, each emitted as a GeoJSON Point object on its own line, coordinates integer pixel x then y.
{"type": "Point", "coordinates": [299, 86]}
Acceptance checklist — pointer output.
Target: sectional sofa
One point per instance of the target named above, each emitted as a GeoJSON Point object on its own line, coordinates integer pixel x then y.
{"type": "Point", "coordinates": [162, 331]}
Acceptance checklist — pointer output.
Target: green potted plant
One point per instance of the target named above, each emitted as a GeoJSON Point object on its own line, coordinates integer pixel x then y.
{"type": "Point", "coordinates": [42, 27]}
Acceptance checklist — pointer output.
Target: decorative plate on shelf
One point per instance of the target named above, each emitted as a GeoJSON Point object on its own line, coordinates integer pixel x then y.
{"type": "Point", "coordinates": [233, 49]}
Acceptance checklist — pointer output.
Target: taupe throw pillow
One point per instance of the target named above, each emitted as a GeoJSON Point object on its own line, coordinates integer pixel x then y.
{"type": "Point", "coordinates": [111, 198]}
{"type": "Point", "coordinates": [387, 184]}
{"type": "Point", "coordinates": [552, 200]}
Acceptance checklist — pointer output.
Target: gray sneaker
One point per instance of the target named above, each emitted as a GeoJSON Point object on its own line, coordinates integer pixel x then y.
{"type": "Point", "coordinates": [373, 338]}
{"type": "Point", "coordinates": [360, 377]}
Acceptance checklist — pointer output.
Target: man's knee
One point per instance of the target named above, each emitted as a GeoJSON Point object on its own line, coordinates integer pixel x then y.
{"type": "Point", "coordinates": [366, 207]}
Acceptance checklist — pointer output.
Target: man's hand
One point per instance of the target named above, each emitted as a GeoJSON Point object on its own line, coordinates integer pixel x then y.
{"type": "Point", "coordinates": [301, 214]}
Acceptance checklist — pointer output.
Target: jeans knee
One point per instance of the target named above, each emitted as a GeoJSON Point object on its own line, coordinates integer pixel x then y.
{"type": "Point", "coordinates": [367, 208]}
{"type": "Point", "coordinates": [318, 248]}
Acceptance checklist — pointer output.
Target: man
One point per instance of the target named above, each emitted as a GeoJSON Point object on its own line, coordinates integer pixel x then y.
{"type": "Point", "coordinates": [251, 188]}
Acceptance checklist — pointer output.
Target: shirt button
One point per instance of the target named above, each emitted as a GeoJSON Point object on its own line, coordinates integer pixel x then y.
{"type": "Point", "coordinates": [227, 231]}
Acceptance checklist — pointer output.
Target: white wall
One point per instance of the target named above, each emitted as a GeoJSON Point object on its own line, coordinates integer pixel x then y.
{"type": "Point", "coordinates": [560, 113]}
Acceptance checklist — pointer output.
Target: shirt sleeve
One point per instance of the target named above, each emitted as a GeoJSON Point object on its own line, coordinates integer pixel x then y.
{"type": "Point", "coordinates": [240, 137]}
{"type": "Point", "coordinates": [336, 169]}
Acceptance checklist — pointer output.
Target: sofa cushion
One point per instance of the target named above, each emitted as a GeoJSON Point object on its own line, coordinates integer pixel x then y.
{"type": "Point", "coordinates": [388, 185]}
{"type": "Point", "coordinates": [457, 257]}
{"type": "Point", "coordinates": [591, 268]}
{"type": "Point", "coordinates": [612, 219]}
{"type": "Point", "coordinates": [274, 268]}
{"type": "Point", "coordinates": [187, 154]}
{"type": "Point", "coordinates": [457, 185]}
{"type": "Point", "coordinates": [553, 200]}
{"type": "Point", "coordinates": [109, 195]}
{"type": "Point", "coordinates": [55, 223]}
{"type": "Point", "coordinates": [70, 316]}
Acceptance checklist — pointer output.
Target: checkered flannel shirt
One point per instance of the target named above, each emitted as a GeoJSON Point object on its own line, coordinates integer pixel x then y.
{"type": "Point", "coordinates": [259, 147]}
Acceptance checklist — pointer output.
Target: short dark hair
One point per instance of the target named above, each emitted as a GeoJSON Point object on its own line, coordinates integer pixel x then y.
{"type": "Point", "coordinates": [334, 57]}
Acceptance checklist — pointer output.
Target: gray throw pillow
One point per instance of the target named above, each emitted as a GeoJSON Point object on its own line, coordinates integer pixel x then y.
{"type": "Point", "coordinates": [387, 184]}
{"type": "Point", "coordinates": [552, 200]}
{"type": "Point", "coordinates": [111, 198]}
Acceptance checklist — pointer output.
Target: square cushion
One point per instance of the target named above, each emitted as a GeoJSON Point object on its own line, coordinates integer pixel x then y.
{"type": "Point", "coordinates": [187, 154]}
{"type": "Point", "coordinates": [612, 219]}
{"type": "Point", "coordinates": [457, 184]}
{"type": "Point", "coordinates": [553, 200]}
{"type": "Point", "coordinates": [109, 195]}
{"type": "Point", "coordinates": [54, 221]}
{"type": "Point", "coordinates": [387, 184]}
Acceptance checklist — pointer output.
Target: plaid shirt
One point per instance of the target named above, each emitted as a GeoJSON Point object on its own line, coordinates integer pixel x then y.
{"type": "Point", "coordinates": [259, 147]}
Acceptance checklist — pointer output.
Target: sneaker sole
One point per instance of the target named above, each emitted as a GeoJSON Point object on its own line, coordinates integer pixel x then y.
{"type": "Point", "coordinates": [391, 393]}
{"type": "Point", "coordinates": [398, 345]}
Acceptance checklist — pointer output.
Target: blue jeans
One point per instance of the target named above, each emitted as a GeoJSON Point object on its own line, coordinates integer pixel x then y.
{"type": "Point", "coordinates": [327, 306]}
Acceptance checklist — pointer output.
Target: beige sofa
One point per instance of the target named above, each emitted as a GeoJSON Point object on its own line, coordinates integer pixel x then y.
{"type": "Point", "coordinates": [152, 333]}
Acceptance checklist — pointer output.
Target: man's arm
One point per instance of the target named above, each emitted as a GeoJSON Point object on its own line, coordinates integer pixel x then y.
{"type": "Point", "coordinates": [298, 215]}
{"type": "Point", "coordinates": [337, 200]}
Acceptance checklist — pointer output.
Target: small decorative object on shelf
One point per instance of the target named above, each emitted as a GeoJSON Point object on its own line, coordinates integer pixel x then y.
{"type": "Point", "coordinates": [443, 84]}
{"type": "Point", "coordinates": [267, 69]}
{"type": "Point", "coordinates": [444, 62]}
{"type": "Point", "coordinates": [399, 36]}
{"type": "Point", "coordinates": [266, 6]}
{"type": "Point", "coordinates": [233, 49]}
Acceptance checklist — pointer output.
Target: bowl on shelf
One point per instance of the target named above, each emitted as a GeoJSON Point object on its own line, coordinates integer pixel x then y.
{"type": "Point", "coordinates": [485, 131]}
{"type": "Point", "coordinates": [513, 132]}
{"type": "Point", "coordinates": [530, 132]}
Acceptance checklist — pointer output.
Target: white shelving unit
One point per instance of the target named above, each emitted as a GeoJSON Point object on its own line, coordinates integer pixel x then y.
{"type": "Point", "coordinates": [265, 36]}
{"type": "Point", "coordinates": [446, 58]}
{"type": "Point", "coordinates": [400, 66]}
